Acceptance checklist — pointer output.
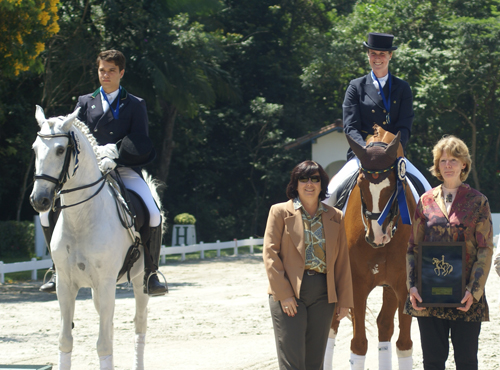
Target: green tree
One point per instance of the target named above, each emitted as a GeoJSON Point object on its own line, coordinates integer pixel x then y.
{"type": "Point", "coordinates": [181, 60]}
{"type": "Point", "coordinates": [449, 55]}
{"type": "Point", "coordinates": [25, 27]}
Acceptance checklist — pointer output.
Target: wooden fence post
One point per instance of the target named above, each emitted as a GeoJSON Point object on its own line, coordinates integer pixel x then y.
{"type": "Point", "coordinates": [33, 272]}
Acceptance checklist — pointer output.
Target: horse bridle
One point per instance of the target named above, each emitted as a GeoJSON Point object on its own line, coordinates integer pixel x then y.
{"type": "Point", "coordinates": [374, 216]}
{"type": "Point", "coordinates": [64, 174]}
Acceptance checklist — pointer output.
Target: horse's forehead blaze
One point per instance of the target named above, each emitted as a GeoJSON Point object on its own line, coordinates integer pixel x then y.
{"type": "Point", "coordinates": [376, 191]}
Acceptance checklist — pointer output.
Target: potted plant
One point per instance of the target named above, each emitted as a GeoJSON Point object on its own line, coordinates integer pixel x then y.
{"type": "Point", "coordinates": [184, 231]}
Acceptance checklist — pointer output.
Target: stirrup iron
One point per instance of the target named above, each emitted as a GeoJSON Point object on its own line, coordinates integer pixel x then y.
{"type": "Point", "coordinates": [147, 283]}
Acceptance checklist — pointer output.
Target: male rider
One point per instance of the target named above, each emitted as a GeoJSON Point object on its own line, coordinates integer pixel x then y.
{"type": "Point", "coordinates": [112, 114]}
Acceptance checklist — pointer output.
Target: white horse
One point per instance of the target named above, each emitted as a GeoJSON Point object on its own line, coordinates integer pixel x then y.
{"type": "Point", "coordinates": [89, 243]}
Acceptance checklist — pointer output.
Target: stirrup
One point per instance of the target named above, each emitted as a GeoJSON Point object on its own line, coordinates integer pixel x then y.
{"type": "Point", "coordinates": [45, 275]}
{"type": "Point", "coordinates": [147, 283]}
{"type": "Point", "coordinates": [45, 281]}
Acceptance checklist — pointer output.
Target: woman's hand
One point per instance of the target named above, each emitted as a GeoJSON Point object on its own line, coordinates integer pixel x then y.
{"type": "Point", "coordinates": [341, 313]}
{"type": "Point", "coordinates": [414, 297]}
{"type": "Point", "coordinates": [289, 306]}
{"type": "Point", "coordinates": [468, 299]}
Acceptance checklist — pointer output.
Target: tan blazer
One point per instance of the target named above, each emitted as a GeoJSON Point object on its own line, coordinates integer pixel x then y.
{"type": "Point", "coordinates": [284, 254]}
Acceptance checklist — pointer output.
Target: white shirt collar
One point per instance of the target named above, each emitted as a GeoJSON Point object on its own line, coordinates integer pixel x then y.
{"type": "Point", "coordinates": [111, 98]}
{"type": "Point", "coordinates": [382, 81]}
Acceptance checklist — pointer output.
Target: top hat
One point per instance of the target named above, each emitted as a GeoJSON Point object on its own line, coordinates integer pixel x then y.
{"type": "Point", "coordinates": [135, 150]}
{"type": "Point", "coordinates": [380, 41]}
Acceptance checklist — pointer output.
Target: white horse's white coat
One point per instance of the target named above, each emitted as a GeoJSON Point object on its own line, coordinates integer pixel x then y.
{"type": "Point", "coordinates": [89, 243]}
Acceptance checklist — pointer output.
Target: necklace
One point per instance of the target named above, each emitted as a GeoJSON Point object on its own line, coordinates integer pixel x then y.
{"type": "Point", "coordinates": [449, 198]}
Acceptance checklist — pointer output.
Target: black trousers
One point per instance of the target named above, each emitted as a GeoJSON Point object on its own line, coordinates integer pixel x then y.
{"type": "Point", "coordinates": [434, 336]}
{"type": "Point", "coordinates": [301, 340]}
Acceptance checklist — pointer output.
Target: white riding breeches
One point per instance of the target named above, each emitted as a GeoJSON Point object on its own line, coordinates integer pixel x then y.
{"type": "Point", "coordinates": [44, 219]}
{"type": "Point", "coordinates": [134, 182]}
{"type": "Point", "coordinates": [352, 167]}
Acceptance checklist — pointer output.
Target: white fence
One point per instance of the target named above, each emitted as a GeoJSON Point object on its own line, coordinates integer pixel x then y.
{"type": "Point", "coordinates": [35, 265]}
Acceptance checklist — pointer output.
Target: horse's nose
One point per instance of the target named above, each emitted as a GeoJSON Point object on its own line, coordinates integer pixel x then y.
{"type": "Point", "coordinates": [45, 202]}
{"type": "Point", "coordinates": [378, 241]}
{"type": "Point", "coordinates": [41, 204]}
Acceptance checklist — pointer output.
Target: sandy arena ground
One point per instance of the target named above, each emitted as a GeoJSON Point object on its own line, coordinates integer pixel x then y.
{"type": "Point", "coordinates": [215, 317]}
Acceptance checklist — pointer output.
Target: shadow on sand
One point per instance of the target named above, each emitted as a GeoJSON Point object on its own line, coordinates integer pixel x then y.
{"type": "Point", "coordinates": [27, 291]}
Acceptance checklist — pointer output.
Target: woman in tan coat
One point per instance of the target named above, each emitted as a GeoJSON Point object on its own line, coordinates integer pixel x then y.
{"type": "Point", "coordinates": [307, 263]}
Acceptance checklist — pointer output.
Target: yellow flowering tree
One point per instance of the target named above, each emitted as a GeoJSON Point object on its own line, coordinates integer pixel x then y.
{"type": "Point", "coordinates": [25, 26]}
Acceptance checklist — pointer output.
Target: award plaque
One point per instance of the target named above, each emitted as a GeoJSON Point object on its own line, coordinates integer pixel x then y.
{"type": "Point", "coordinates": [441, 274]}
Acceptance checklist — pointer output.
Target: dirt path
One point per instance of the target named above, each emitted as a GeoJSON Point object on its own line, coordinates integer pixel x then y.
{"type": "Point", "coordinates": [216, 317]}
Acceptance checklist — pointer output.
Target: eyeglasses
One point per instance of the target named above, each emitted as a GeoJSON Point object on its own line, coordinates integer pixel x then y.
{"type": "Point", "coordinates": [312, 178]}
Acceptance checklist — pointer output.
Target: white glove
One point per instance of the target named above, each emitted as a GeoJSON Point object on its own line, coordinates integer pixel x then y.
{"type": "Point", "coordinates": [106, 164]}
{"type": "Point", "coordinates": [108, 150]}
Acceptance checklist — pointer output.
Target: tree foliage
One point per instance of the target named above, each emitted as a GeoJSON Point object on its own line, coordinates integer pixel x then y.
{"type": "Point", "coordinates": [448, 52]}
{"type": "Point", "coordinates": [25, 26]}
{"type": "Point", "coordinates": [229, 82]}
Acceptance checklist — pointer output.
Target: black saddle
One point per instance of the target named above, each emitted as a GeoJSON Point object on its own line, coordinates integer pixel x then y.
{"type": "Point", "coordinates": [344, 190]}
{"type": "Point", "coordinates": [419, 187]}
{"type": "Point", "coordinates": [141, 212]}
{"type": "Point", "coordinates": [132, 207]}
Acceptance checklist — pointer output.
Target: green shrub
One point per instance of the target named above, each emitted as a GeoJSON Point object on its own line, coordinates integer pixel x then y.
{"type": "Point", "coordinates": [184, 219]}
{"type": "Point", "coordinates": [17, 239]}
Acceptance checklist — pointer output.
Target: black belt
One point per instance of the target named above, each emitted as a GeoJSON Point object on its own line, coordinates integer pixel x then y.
{"type": "Point", "coordinates": [313, 272]}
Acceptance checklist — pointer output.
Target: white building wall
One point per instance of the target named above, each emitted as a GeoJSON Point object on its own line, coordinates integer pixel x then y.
{"type": "Point", "coordinates": [330, 151]}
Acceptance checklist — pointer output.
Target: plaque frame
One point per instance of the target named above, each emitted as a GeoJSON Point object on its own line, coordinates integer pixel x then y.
{"type": "Point", "coordinates": [452, 292]}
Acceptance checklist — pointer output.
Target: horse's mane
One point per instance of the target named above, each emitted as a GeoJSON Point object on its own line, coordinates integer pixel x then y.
{"type": "Point", "coordinates": [381, 135]}
{"type": "Point", "coordinates": [82, 127]}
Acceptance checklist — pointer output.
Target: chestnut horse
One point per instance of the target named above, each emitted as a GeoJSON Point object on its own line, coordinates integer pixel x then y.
{"type": "Point", "coordinates": [378, 225]}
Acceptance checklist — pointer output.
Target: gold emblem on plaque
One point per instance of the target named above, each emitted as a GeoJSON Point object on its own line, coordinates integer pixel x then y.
{"type": "Point", "coordinates": [441, 267]}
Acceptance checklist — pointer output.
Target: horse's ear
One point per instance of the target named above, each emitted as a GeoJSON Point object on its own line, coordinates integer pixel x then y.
{"type": "Point", "coordinates": [68, 121]}
{"type": "Point", "coordinates": [359, 150]}
{"type": "Point", "coordinates": [40, 116]}
{"type": "Point", "coordinates": [392, 148]}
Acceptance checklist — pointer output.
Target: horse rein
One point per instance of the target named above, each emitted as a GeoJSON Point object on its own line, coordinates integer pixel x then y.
{"type": "Point", "coordinates": [64, 175]}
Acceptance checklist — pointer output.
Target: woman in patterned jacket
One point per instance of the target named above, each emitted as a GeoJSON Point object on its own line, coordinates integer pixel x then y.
{"type": "Point", "coordinates": [452, 212]}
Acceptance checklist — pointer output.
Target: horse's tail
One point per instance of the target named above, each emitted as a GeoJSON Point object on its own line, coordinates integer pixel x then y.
{"type": "Point", "coordinates": [154, 185]}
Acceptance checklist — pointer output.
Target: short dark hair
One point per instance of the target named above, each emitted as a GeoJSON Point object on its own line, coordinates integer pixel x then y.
{"type": "Point", "coordinates": [114, 56]}
{"type": "Point", "coordinates": [307, 168]}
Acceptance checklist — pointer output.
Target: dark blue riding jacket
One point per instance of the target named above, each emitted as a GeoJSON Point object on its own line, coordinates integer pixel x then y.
{"type": "Point", "coordinates": [363, 107]}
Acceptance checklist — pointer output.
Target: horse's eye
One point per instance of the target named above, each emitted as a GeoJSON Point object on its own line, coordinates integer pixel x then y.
{"type": "Point", "coordinates": [60, 151]}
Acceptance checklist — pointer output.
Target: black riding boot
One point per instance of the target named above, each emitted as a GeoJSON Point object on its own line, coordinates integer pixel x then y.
{"type": "Point", "coordinates": [49, 286]}
{"type": "Point", "coordinates": [344, 190]}
{"type": "Point", "coordinates": [152, 285]}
